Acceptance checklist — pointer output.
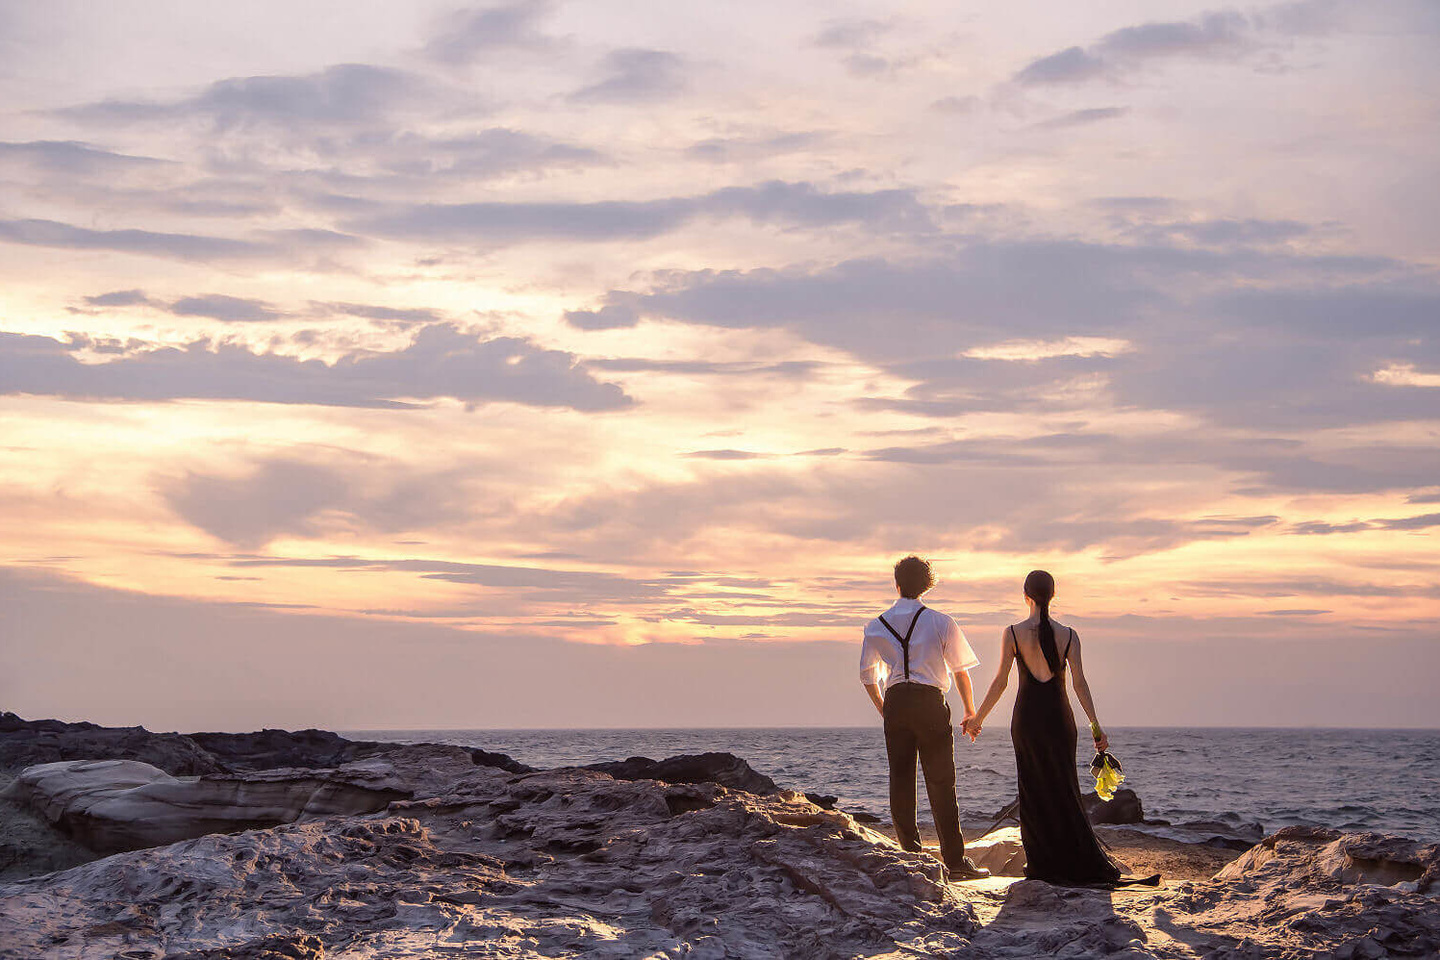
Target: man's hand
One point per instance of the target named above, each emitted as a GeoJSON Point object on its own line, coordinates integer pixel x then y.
{"type": "Point", "coordinates": [971, 726]}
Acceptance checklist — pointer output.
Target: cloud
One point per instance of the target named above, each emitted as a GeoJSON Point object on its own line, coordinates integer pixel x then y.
{"type": "Point", "coordinates": [373, 312]}
{"type": "Point", "coordinates": [441, 361]}
{"type": "Point", "coordinates": [1078, 118]}
{"type": "Point", "coordinates": [402, 161]}
{"type": "Point", "coordinates": [848, 34]}
{"type": "Point", "coordinates": [950, 302]}
{"type": "Point", "coordinates": [957, 105]}
{"type": "Point", "coordinates": [1412, 523]}
{"type": "Point", "coordinates": [1068, 66]}
{"type": "Point", "coordinates": [1220, 34]}
{"type": "Point", "coordinates": [499, 223]}
{"type": "Point", "coordinates": [733, 149]}
{"type": "Point", "coordinates": [858, 38]}
{"type": "Point", "coordinates": [608, 317]}
{"type": "Point", "coordinates": [219, 307]}
{"type": "Point", "coordinates": [572, 585]}
{"type": "Point", "coordinates": [179, 246]}
{"type": "Point", "coordinates": [1316, 327]}
{"type": "Point", "coordinates": [73, 158]}
{"type": "Point", "coordinates": [303, 245]}
{"type": "Point", "coordinates": [1321, 528]}
{"type": "Point", "coordinates": [238, 309]}
{"type": "Point", "coordinates": [789, 369]}
{"type": "Point", "coordinates": [466, 35]}
{"type": "Point", "coordinates": [279, 498]}
{"type": "Point", "coordinates": [727, 455]}
{"type": "Point", "coordinates": [635, 75]}
{"type": "Point", "coordinates": [1249, 231]}
{"type": "Point", "coordinates": [1211, 34]}
{"type": "Point", "coordinates": [214, 306]}
{"type": "Point", "coordinates": [119, 298]}
{"type": "Point", "coordinates": [342, 95]}
{"type": "Point", "coordinates": [324, 493]}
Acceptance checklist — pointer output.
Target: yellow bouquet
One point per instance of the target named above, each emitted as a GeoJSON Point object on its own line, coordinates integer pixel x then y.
{"type": "Point", "coordinates": [1107, 773]}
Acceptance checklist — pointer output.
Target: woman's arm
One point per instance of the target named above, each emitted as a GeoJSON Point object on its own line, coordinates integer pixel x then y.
{"type": "Point", "coordinates": [997, 687]}
{"type": "Point", "coordinates": [1082, 692]}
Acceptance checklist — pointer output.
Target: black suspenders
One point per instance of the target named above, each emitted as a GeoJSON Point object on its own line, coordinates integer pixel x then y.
{"type": "Point", "coordinates": [905, 640]}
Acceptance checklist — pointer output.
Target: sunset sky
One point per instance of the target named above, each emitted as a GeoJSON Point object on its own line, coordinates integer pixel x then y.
{"type": "Point", "coordinates": [373, 364]}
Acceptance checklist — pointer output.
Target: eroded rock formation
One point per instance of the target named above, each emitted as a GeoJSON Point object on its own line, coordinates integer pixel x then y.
{"type": "Point", "coordinates": [270, 749]}
{"type": "Point", "coordinates": [561, 862]}
{"type": "Point", "coordinates": [112, 805]}
{"type": "Point", "coordinates": [25, 743]}
{"type": "Point", "coordinates": [726, 769]}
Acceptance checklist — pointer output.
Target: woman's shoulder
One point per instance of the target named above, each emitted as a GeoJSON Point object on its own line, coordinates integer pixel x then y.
{"type": "Point", "coordinates": [1062, 629]}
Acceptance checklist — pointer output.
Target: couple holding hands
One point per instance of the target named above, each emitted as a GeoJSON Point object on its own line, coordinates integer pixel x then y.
{"type": "Point", "coordinates": [907, 661]}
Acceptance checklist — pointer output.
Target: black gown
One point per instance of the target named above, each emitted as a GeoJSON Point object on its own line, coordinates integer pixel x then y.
{"type": "Point", "coordinates": [1060, 847]}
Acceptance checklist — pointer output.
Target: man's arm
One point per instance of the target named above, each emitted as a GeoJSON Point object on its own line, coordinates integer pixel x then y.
{"type": "Point", "coordinates": [876, 697]}
{"type": "Point", "coordinates": [961, 660]}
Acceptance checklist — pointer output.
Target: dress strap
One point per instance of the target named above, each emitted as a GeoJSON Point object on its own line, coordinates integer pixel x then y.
{"type": "Point", "coordinates": [905, 640]}
{"type": "Point", "coordinates": [1019, 657]}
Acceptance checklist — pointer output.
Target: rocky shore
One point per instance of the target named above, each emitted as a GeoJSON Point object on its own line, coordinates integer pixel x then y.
{"type": "Point", "coordinates": [298, 846]}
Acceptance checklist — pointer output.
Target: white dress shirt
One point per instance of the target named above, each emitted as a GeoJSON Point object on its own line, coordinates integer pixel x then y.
{"type": "Point", "coordinates": [938, 648]}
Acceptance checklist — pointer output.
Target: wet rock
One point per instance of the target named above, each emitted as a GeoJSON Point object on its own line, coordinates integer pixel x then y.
{"type": "Point", "coordinates": [724, 769]}
{"type": "Point", "coordinates": [1125, 807]}
{"type": "Point", "coordinates": [1241, 834]}
{"type": "Point", "coordinates": [822, 800]}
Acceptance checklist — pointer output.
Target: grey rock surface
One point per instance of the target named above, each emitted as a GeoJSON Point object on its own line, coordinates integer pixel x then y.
{"type": "Point", "coordinates": [30, 844]}
{"type": "Point", "coordinates": [113, 805]}
{"type": "Point", "coordinates": [724, 769]}
{"type": "Point", "coordinates": [25, 743]}
{"type": "Point", "coordinates": [560, 863]}
{"type": "Point", "coordinates": [1124, 807]}
{"type": "Point", "coordinates": [270, 749]}
{"type": "Point", "coordinates": [575, 863]}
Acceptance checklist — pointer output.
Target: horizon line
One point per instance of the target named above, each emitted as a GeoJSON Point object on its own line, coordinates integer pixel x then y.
{"type": "Point", "coordinates": [1314, 727]}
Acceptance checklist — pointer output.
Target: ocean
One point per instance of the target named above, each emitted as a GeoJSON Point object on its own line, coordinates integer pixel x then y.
{"type": "Point", "coordinates": [1382, 780]}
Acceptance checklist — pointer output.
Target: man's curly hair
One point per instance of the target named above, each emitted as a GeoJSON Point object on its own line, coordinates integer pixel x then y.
{"type": "Point", "coordinates": [913, 576]}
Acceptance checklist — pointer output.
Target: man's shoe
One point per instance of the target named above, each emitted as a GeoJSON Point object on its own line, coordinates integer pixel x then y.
{"type": "Point", "coordinates": [968, 871]}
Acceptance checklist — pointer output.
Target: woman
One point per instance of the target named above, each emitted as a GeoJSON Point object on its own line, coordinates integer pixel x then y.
{"type": "Point", "coordinates": [1060, 847]}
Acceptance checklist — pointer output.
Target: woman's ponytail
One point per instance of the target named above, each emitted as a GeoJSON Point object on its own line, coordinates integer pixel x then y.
{"type": "Point", "coordinates": [1040, 587]}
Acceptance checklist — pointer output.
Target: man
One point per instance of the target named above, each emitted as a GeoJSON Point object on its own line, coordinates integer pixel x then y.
{"type": "Point", "coordinates": [911, 652]}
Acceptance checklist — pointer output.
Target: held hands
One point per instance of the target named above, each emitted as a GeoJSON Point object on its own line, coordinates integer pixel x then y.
{"type": "Point", "coordinates": [970, 726]}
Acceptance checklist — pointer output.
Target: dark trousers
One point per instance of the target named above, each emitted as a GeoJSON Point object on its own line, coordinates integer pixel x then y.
{"type": "Point", "coordinates": [917, 723]}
